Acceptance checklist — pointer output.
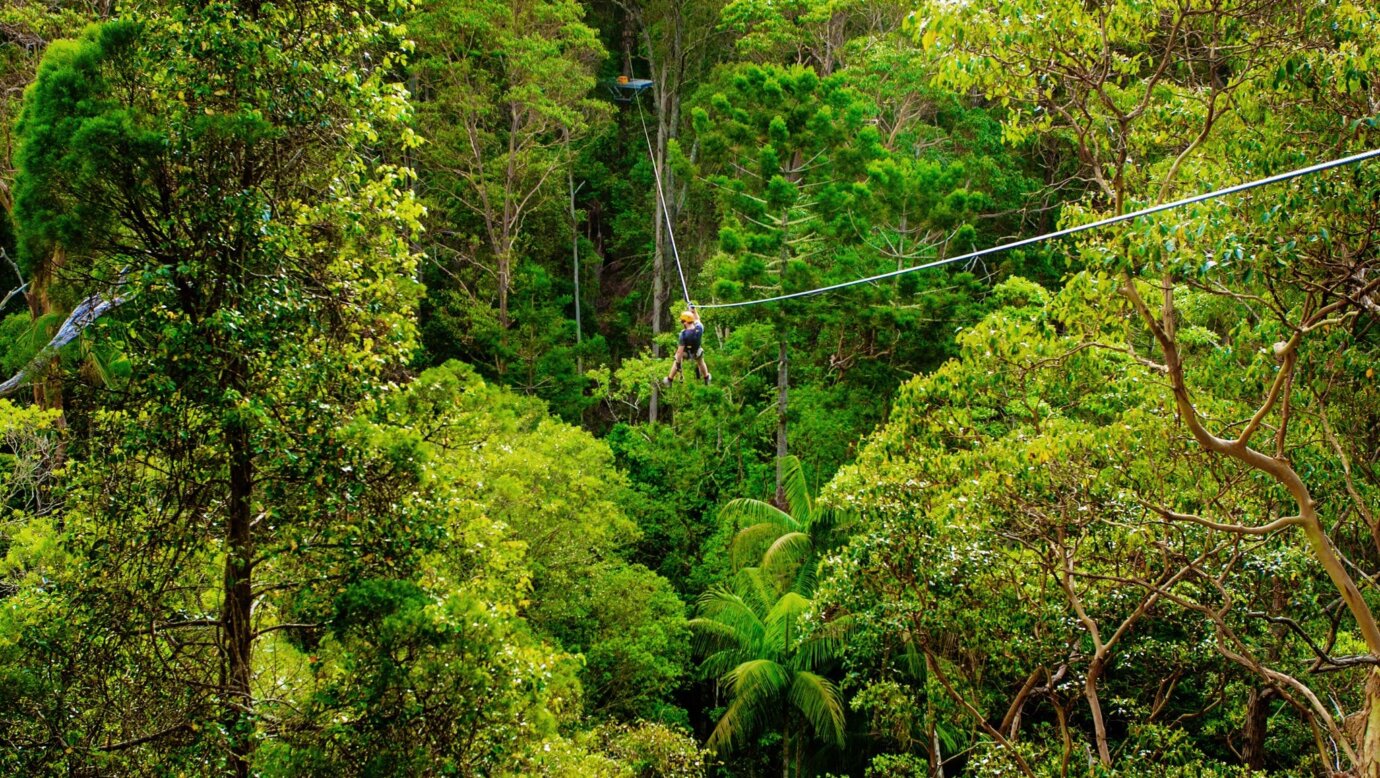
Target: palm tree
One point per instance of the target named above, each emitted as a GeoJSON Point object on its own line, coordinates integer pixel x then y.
{"type": "Point", "coordinates": [752, 636]}
{"type": "Point", "coordinates": [782, 542]}
{"type": "Point", "coordinates": [755, 644]}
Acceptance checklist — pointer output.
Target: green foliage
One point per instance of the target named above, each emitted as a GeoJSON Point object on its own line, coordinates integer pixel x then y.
{"type": "Point", "coordinates": [552, 491]}
{"type": "Point", "coordinates": [247, 526]}
{"type": "Point", "coordinates": [785, 545]}
{"type": "Point", "coordinates": [231, 189]}
{"type": "Point", "coordinates": [756, 640]}
{"type": "Point", "coordinates": [408, 682]}
{"type": "Point", "coordinates": [1008, 530]}
{"type": "Point", "coordinates": [69, 114]}
{"type": "Point", "coordinates": [654, 750]}
{"type": "Point", "coordinates": [28, 28]}
{"type": "Point", "coordinates": [759, 639]}
{"type": "Point", "coordinates": [503, 97]}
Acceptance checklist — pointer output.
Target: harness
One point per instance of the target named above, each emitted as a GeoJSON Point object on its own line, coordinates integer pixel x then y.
{"type": "Point", "coordinates": [690, 339]}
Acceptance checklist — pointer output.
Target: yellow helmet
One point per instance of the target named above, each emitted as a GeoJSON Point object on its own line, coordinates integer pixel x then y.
{"type": "Point", "coordinates": [687, 317]}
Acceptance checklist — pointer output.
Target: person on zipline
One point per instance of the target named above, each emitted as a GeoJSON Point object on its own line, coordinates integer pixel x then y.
{"type": "Point", "coordinates": [691, 332]}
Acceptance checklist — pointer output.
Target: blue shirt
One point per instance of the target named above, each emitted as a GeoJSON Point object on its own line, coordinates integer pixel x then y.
{"type": "Point", "coordinates": [690, 336]}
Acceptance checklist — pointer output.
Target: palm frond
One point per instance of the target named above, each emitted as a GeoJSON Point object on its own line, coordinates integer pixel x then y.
{"type": "Point", "coordinates": [758, 589]}
{"type": "Point", "coordinates": [743, 717]}
{"type": "Point", "coordinates": [756, 686]}
{"type": "Point", "coordinates": [711, 635]}
{"type": "Point", "coordinates": [791, 606]}
{"type": "Point", "coordinates": [756, 679]}
{"type": "Point", "coordinates": [825, 643]}
{"type": "Point", "coordinates": [797, 490]}
{"type": "Point", "coordinates": [818, 699]}
{"type": "Point", "coordinates": [806, 577]}
{"type": "Point", "coordinates": [750, 542]}
{"type": "Point", "coordinates": [783, 621]}
{"type": "Point", "coordinates": [733, 727]}
{"type": "Point", "coordinates": [731, 614]}
{"type": "Point", "coordinates": [747, 511]}
{"type": "Point", "coordinates": [785, 556]}
{"type": "Point", "coordinates": [831, 520]}
{"type": "Point", "coordinates": [721, 663]}
{"type": "Point", "coordinates": [912, 661]}
{"type": "Point", "coordinates": [40, 330]}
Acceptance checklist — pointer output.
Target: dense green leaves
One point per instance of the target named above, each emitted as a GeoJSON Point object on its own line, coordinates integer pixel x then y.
{"type": "Point", "coordinates": [1096, 508]}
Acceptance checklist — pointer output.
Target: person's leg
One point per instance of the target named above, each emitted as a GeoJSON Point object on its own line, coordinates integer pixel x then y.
{"type": "Point", "coordinates": [675, 368]}
{"type": "Point", "coordinates": [702, 368]}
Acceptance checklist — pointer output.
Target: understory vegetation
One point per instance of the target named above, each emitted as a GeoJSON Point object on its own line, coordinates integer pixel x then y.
{"type": "Point", "coordinates": [333, 439]}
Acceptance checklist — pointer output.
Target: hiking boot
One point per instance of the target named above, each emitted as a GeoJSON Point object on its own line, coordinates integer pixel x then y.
{"type": "Point", "coordinates": [707, 379]}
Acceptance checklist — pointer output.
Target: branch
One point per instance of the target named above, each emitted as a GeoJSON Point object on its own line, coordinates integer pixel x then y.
{"type": "Point", "coordinates": [1149, 364]}
{"type": "Point", "coordinates": [275, 627]}
{"type": "Point", "coordinates": [1173, 173]}
{"type": "Point", "coordinates": [145, 739]}
{"type": "Point", "coordinates": [12, 294]}
{"type": "Point", "coordinates": [1366, 514]}
{"type": "Point", "coordinates": [981, 720]}
{"type": "Point", "coordinates": [1240, 529]}
{"type": "Point", "coordinates": [1323, 656]}
{"type": "Point", "coordinates": [1288, 353]}
{"type": "Point", "coordinates": [190, 623]}
{"type": "Point", "coordinates": [90, 309]}
{"type": "Point", "coordinates": [22, 283]}
{"type": "Point", "coordinates": [1013, 711]}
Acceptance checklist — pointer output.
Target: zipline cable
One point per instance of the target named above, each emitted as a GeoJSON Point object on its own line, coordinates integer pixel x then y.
{"type": "Point", "coordinates": [1275, 179]}
{"type": "Point", "coordinates": [661, 197]}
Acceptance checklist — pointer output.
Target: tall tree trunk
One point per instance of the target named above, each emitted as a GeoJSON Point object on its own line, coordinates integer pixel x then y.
{"type": "Point", "coordinates": [1257, 724]}
{"type": "Point", "coordinates": [658, 294]}
{"type": "Point", "coordinates": [237, 628]}
{"type": "Point", "coordinates": [575, 258]}
{"type": "Point", "coordinates": [665, 131]}
{"type": "Point", "coordinates": [799, 754]}
{"type": "Point", "coordinates": [1370, 727]}
{"type": "Point", "coordinates": [48, 387]}
{"type": "Point", "coordinates": [781, 448]}
{"type": "Point", "coordinates": [631, 21]}
{"type": "Point", "coordinates": [505, 281]}
{"type": "Point", "coordinates": [1258, 701]}
{"type": "Point", "coordinates": [666, 77]}
{"type": "Point", "coordinates": [1104, 753]}
{"type": "Point", "coordinates": [786, 749]}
